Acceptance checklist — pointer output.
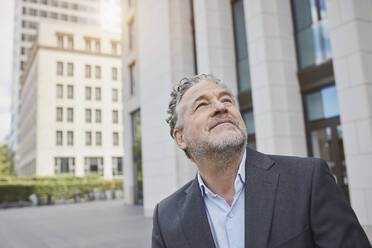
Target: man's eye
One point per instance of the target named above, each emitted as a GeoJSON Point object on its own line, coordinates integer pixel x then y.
{"type": "Point", "coordinates": [200, 105]}
{"type": "Point", "coordinates": [228, 100]}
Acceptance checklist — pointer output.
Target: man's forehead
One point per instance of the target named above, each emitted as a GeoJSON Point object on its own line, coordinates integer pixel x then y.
{"type": "Point", "coordinates": [203, 88]}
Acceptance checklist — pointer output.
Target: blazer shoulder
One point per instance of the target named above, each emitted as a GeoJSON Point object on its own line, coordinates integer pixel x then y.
{"type": "Point", "coordinates": [293, 163]}
{"type": "Point", "coordinates": [170, 202]}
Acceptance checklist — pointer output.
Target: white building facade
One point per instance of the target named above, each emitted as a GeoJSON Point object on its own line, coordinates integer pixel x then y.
{"type": "Point", "coordinates": [70, 116]}
{"type": "Point", "coordinates": [28, 15]}
{"type": "Point", "coordinates": [299, 69]}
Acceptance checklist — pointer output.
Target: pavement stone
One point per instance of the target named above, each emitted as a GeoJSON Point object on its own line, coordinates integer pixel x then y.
{"type": "Point", "coordinates": [91, 224]}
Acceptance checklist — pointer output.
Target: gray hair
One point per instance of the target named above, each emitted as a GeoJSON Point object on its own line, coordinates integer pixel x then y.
{"type": "Point", "coordinates": [174, 112]}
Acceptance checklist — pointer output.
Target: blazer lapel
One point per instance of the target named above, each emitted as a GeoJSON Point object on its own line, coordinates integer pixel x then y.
{"type": "Point", "coordinates": [194, 218]}
{"type": "Point", "coordinates": [260, 195]}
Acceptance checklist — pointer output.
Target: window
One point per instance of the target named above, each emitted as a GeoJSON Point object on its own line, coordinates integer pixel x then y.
{"type": "Point", "coordinates": [43, 13]}
{"type": "Point", "coordinates": [93, 165]}
{"type": "Point", "coordinates": [54, 15]}
{"type": "Point", "coordinates": [88, 71]}
{"type": "Point", "coordinates": [70, 115]}
{"type": "Point", "coordinates": [70, 91]}
{"type": "Point", "coordinates": [70, 138]}
{"type": "Point", "coordinates": [60, 40]}
{"type": "Point", "coordinates": [88, 138]}
{"type": "Point", "coordinates": [311, 31]}
{"type": "Point", "coordinates": [59, 68]}
{"type": "Point", "coordinates": [241, 49]}
{"type": "Point", "coordinates": [131, 34]}
{"type": "Point", "coordinates": [98, 72]}
{"type": "Point", "coordinates": [59, 91]}
{"type": "Point", "coordinates": [117, 166]}
{"type": "Point", "coordinates": [251, 131]}
{"type": "Point", "coordinates": [64, 17]}
{"type": "Point", "coordinates": [70, 42]}
{"type": "Point", "coordinates": [59, 116]}
{"type": "Point", "coordinates": [59, 138]}
{"type": "Point", "coordinates": [98, 94]}
{"type": "Point", "coordinates": [132, 78]}
{"type": "Point", "coordinates": [115, 95]}
{"type": "Point", "coordinates": [88, 44]}
{"type": "Point", "coordinates": [98, 116]}
{"type": "Point", "coordinates": [88, 115]}
{"type": "Point", "coordinates": [88, 93]}
{"type": "Point", "coordinates": [115, 138]}
{"type": "Point", "coordinates": [97, 46]}
{"type": "Point", "coordinates": [98, 138]}
{"type": "Point", "coordinates": [70, 69]}
{"type": "Point", "coordinates": [115, 116]}
{"type": "Point", "coordinates": [64, 165]}
{"type": "Point", "coordinates": [32, 12]}
{"type": "Point", "coordinates": [322, 104]}
{"type": "Point", "coordinates": [114, 48]}
{"type": "Point", "coordinates": [114, 75]}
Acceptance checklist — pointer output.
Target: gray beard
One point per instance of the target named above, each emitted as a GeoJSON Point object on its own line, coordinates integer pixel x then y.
{"type": "Point", "coordinates": [222, 152]}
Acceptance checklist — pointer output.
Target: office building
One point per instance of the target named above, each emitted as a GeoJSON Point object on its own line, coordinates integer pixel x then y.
{"type": "Point", "coordinates": [70, 116]}
{"type": "Point", "coordinates": [299, 68]}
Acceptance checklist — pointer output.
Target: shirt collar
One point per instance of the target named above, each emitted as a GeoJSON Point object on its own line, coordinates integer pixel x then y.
{"type": "Point", "coordinates": [241, 175]}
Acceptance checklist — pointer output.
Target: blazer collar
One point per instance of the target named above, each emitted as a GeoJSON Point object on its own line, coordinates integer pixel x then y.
{"type": "Point", "coordinates": [260, 192]}
{"type": "Point", "coordinates": [194, 218]}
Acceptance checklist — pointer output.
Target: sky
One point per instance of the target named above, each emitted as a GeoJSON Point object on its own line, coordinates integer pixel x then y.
{"type": "Point", "coordinates": [6, 48]}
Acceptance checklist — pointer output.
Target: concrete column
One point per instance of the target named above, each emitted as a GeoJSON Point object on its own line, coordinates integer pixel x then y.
{"type": "Point", "coordinates": [277, 104]}
{"type": "Point", "coordinates": [215, 40]}
{"type": "Point", "coordinates": [350, 26]}
{"type": "Point", "coordinates": [165, 55]}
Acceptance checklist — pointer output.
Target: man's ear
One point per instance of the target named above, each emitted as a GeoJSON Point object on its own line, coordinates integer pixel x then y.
{"type": "Point", "coordinates": [178, 137]}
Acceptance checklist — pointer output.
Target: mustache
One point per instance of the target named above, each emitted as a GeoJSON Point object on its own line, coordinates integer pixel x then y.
{"type": "Point", "coordinates": [222, 118]}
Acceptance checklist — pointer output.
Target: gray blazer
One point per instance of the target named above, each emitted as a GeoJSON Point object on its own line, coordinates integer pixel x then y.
{"type": "Point", "coordinates": [289, 202]}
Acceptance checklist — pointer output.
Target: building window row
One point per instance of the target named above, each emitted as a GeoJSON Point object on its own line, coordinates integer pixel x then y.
{"type": "Point", "coordinates": [29, 24]}
{"type": "Point", "coordinates": [27, 37]}
{"type": "Point", "coordinates": [69, 138]}
{"type": "Point", "coordinates": [59, 114]}
{"type": "Point", "coordinates": [97, 92]}
{"type": "Point", "coordinates": [64, 165]}
{"type": "Point", "coordinates": [70, 91]}
{"type": "Point", "coordinates": [55, 15]}
{"type": "Point", "coordinates": [60, 68]}
{"type": "Point", "coordinates": [93, 165]}
{"type": "Point", "coordinates": [65, 41]}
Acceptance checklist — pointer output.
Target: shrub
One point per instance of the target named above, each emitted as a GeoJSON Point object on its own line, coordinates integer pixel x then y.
{"type": "Point", "coordinates": [13, 189]}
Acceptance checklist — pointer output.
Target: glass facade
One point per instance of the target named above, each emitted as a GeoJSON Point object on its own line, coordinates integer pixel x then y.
{"type": "Point", "coordinates": [322, 104]}
{"type": "Point", "coordinates": [241, 48]}
{"type": "Point", "coordinates": [311, 31]}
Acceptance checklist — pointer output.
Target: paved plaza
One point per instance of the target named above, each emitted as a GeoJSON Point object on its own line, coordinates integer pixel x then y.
{"type": "Point", "coordinates": [93, 224]}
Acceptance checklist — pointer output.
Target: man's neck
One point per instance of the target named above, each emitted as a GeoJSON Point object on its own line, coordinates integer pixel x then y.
{"type": "Point", "coordinates": [219, 175]}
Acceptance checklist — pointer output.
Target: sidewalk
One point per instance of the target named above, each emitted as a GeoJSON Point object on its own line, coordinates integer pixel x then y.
{"type": "Point", "coordinates": [91, 224]}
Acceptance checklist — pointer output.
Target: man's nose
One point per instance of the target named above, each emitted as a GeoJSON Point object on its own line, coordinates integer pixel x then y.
{"type": "Point", "coordinates": [219, 107]}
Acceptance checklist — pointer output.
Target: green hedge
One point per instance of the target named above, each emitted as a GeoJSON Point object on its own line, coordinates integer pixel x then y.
{"type": "Point", "coordinates": [13, 189]}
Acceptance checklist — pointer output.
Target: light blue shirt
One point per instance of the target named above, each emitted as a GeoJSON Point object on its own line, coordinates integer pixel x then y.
{"type": "Point", "coordinates": [226, 222]}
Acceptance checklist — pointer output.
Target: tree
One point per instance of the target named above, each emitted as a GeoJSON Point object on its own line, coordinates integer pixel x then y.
{"type": "Point", "coordinates": [6, 161]}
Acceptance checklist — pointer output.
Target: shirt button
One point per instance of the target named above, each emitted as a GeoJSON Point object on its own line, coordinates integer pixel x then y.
{"type": "Point", "coordinates": [230, 215]}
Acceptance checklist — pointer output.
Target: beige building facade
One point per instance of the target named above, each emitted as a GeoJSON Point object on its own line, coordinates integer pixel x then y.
{"type": "Point", "coordinates": [70, 118]}
{"type": "Point", "coordinates": [299, 69]}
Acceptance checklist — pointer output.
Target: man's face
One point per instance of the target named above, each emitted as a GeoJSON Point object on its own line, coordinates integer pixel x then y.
{"type": "Point", "coordinates": [211, 121]}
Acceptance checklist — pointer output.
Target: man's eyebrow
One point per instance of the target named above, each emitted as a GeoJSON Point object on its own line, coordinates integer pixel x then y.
{"type": "Point", "coordinates": [225, 93]}
{"type": "Point", "coordinates": [201, 97]}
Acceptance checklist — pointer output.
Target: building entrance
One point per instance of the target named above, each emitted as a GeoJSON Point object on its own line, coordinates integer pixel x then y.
{"type": "Point", "coordinates": [326, 142]}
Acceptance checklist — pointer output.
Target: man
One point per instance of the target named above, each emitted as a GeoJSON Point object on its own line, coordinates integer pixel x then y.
{"type": "Point", "coordinates": [240, 197]}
